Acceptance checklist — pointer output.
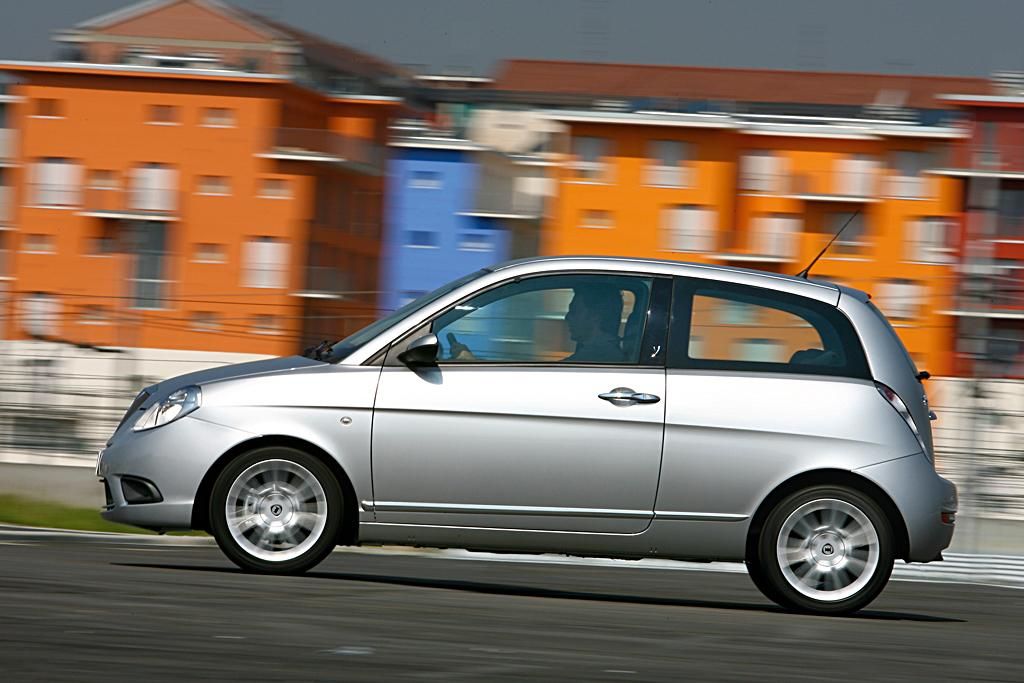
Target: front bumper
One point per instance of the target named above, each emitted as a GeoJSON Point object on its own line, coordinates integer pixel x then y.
{"type": "Point", "coordinates": [174, 459]}
{"type": "Point", "coordinates": [927, 502]}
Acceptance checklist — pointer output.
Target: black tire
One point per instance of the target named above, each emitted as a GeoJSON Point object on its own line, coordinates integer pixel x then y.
{"type": "Point", "coordinates": [291, 467]}
{"type": "Point", "coordinates": [813, 594]}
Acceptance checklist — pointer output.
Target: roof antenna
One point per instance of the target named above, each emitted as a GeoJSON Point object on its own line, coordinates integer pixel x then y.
{"type": "Point", "coordinates": [806, 271]}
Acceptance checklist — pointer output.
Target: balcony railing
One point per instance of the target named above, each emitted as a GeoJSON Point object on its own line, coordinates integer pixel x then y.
{"type": "Point", "coordinates": [908, 187]}
{"type": "Point", "coordinates": [316, 144]}
{"type": "Point", "coordinates": [145, 203]}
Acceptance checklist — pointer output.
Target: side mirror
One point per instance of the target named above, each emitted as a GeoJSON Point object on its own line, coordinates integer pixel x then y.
{"type": "Point", "coordinates": [422, 351]}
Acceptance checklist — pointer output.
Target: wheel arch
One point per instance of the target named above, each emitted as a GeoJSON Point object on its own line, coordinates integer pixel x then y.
{"type": "Point", "coordinates": [833, 477]}
{"type": "Point", "coordinates": [348, 534]}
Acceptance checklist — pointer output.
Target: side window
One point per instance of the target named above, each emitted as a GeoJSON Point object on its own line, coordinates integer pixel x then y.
{"type": "Point", "coordinates": [598, 319]}
{"type": "Point", "coordinates": [722, 326]}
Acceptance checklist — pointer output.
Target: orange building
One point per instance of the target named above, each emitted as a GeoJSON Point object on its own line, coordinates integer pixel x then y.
{"type": "Point", "coordinates": [768, 193]}
{"type": "Point", "coordinates": [194, 168]}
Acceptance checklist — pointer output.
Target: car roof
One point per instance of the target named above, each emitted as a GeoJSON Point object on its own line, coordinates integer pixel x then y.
{"type": "Point", "coordinates": [681, 268]}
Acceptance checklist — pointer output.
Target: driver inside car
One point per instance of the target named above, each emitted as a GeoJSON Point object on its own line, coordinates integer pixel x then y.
{"type": "Point", "coordinates": [593, 319]}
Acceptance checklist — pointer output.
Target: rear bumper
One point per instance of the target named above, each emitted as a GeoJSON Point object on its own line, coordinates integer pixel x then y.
{"type": "Point", "coordinates": [927, 502]}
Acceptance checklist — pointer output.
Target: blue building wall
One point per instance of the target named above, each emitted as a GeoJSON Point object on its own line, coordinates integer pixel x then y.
{"type": "Point", "coordinates": [426, 241]}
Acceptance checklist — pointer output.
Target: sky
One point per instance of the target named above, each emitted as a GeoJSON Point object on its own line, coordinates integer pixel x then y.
{"type": "Point", "coordinates": [950, 37]}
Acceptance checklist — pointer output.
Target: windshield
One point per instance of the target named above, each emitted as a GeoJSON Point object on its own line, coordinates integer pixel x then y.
{"type": "Point", "coordinates": [340, 350]}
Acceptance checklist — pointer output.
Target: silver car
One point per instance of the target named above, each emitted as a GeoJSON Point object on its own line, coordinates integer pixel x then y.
{"type": "Point", "coordinates": [590, 406]}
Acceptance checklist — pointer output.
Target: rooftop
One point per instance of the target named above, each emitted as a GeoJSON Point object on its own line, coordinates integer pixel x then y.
{"type": "Point", "coordinates": [735, 85]}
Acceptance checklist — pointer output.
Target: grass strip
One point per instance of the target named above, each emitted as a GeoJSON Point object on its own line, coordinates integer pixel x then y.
{"type": "Point", "coordinates": [32, 512]}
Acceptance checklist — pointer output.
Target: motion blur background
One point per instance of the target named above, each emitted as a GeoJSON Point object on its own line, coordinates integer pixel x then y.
{"type": "Point", "coordinates": [187, 183]}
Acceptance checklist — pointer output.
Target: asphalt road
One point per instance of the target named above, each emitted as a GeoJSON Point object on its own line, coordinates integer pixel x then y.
{"type": "Point", "coordinates": [111, 610]}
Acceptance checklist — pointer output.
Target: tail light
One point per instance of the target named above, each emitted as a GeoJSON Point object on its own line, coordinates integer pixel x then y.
{"type": "Point", "coordinates": [896, 402]}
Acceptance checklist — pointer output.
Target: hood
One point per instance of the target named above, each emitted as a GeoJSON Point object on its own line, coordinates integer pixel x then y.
{"type": "Point", "coordinates": [235, 371]}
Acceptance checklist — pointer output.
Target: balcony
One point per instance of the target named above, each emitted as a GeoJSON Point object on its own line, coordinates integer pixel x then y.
{"type": "Point", "coordinates": [514, 203]}
{"type": "Point", "coordinates": [137, 203]}
{"type": "Point", "coordinates": [834, 185]}
{"type": "Point", "coordinates": [909, 187]}
{"type": "Point", "coordinates": [325, 146]}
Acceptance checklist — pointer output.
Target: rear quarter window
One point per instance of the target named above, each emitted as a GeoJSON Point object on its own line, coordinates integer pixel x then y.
{"type": "Point", "coordinates": [724, 326]}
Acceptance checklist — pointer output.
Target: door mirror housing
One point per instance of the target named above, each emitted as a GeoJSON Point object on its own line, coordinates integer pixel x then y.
{"type": "Point", "coordinates": [421, 351]}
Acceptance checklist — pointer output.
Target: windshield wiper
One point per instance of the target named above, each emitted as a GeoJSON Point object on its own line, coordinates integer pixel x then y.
{"type": "Point", "coordinates": [320, 351]}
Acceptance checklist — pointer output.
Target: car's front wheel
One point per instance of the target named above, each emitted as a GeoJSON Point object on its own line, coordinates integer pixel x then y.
{"type": "Point", "coordinates": [825, 550]}
{"type": "Point", "coordinates": [276, 510]}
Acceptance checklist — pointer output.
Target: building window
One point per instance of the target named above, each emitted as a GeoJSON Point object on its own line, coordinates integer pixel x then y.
{"type": "Point", "coordinates": [266, 324]}
{"type": "Point", "coordinates": [855, 176]}
{"type": "Point", "coordinates": [93, 314]}
{"type": "Point", "coordinates": [102, 179]}
{"type": "Point", "coordinates": [476, 241]}
{"type": "Point", "coordinates": [214, 185]}
{"type": "Point", "coordinates": [265, 262]}
{"type": "Point", "coordinates": [928, 240]}
{"type": "Point", "coordinates": [37, 243]}
{"type": "Point", "coordinates": [425, 180]}
{"type": "Point", "coordinates": [48, 108]}
{"type": "Point", "coordinates": [761, 351]}
{"type": "Point", "coordinates": [154, 188]}
{"type": "Point", "coordinates": [590, 159]}
{"type": "Point", "coordinates": [853, 239]}
{"type": "Point", "coordinates": [666, 164]}
{"type": "Point", "coordinates": [776, 235]}
{"type": "Point", "coordinates": [205, 321]}
{"type": "Point", "coordinates": [688, 228]}
{"type": "Point", "coordinates": [737, 312]}
{"type": "Point", "coordinates": [149, 283]}
{"type": "Point", "coordinates": [761, 171]}
{"type": "Point", "coordinates": [218, 117]}
{"type": "Point", "coordinates": [104, 244]}
{"type": "Point", "coordinates": [208, 252]}
{"type": "Point", "coordinates": [164, 115]}
{"type": "Point", "coordinates": [275, 188]}
{"type": "Point", "coordinates": [596, 219]}
{"type": "Point", "coordinates": [908, 179]}
{"type": "Point", "coordinates": [40, 315]}
{"type": "Point", "coordinates": [900, 299]}
{"type": "Point", "coordinates": [422, 239]}
{"type": "Point", "coordinates": [56, 182]}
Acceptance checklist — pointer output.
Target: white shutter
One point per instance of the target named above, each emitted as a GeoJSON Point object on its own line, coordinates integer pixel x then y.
{"type": "Point", "coordinates": [915, 240]}
{"type": "Point", "coordinates": [690, 228]}
{"type": "Point", "coordinates": [154, 187]}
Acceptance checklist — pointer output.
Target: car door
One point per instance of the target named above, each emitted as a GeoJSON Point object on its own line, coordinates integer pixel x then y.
{"type": "Point", "coordinates": [525, 421]}
{"type": "Point", "coordinates": [763, 384]}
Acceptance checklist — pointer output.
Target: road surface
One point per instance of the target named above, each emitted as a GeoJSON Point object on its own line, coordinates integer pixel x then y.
{"type": "Point", "coordinates": [110, 608]}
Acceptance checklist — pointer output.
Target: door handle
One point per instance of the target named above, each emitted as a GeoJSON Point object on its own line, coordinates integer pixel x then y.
{"type": "Point", "coordinates": [621, 395]}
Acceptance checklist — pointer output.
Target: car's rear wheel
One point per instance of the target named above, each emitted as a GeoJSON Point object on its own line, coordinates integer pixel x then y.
{"type": "Point", "coordinates": [825, 550]}
{"type": "Point", "coordinates": [276, 510]}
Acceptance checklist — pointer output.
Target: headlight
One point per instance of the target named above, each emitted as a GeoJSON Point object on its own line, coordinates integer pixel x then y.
{"type": "Point", "coordinates": [179, 404]}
